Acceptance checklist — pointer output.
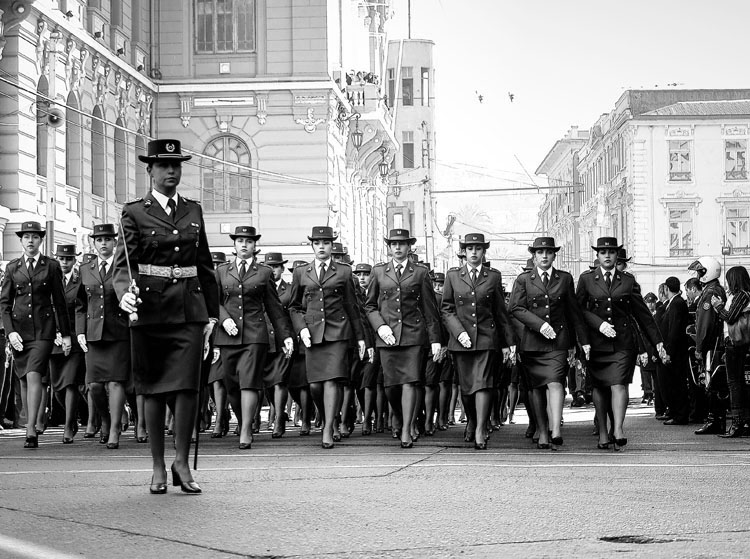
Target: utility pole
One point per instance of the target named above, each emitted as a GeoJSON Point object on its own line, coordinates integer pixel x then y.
{"type": "Point", "coordinates": [408, 33]}
{"type": "Point", "coordinates": [51, 131]}
{"type": "Point", "coordinates": [429, 231]}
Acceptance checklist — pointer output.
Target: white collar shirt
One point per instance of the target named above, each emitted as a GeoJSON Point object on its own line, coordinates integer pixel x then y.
{"type": "Point", "coordinates": [164, 200]}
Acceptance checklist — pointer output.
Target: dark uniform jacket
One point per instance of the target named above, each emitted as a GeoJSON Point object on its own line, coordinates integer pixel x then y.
{"type": "Point", "coordinates": [479, 310]}
{"type": "Point", "coordinates": [673, 328]}
{"type": "Point", "coordinates": [361, 300]}
{"type": "Point", "coordinates": [532, 305]}
{"type": "Point", "coordinates": [151, 237]}
{"type": "Point", "coordinates": [247, 302]}
{"type": "Point", "coordinates": [275, 341]}
{"type": "Point", "coordinates": [622, 306]}
{"type": "Point", "coordinates": [71, 298]}
{"type": "Point", "coordinates": [407, 305]}
{"type": "Point", "coordinates": [98, 313]}
{"type": "Point", "coordinates": [29, 304]}
{"type": "Point", "coordinates": [328, 309]}
{"type": "Point", "coordinates": [708, 326]}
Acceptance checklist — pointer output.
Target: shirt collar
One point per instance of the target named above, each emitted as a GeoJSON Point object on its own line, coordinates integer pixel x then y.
{"type": "Point", "coordinates": [319, 263]}
{"type": "Point", "coordinates": [34, 258]}
{"type": "Point", "coordinates": [469, 268]}
{"type": "Point", "coordinates": [163, 200]}
{"type": "Point", "coordinates": [108, 261]}
{"type": "Point", "coordinates": [239, 261]}
{"type": "Point", "coordinates": [68, 276]}
{"type": "Point", "coordinates": [612, 272]}
{"type": "Point", "coordinates": [402, 264]}
{"type": "Point", "coordinates": [540, 271]}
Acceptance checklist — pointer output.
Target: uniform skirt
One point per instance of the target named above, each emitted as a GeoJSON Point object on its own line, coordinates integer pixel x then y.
{"type": "Point", "coordinates": [277, 369]}
{"type": "Point", "coordinates": [402, 365]}
{"type": "Point", "coordinates": [33, 359]}
{"type": "Point", "coordinates": [544, 367]}
{"type": "Point", "coordinates": [167, 357]}
{"type": "Point", "coordinates": [447, 371]}
{"type": "Point", "coordinates": [298, 370]}
{"type": "Point", "coordinates": [474, 370]}
{"type": "Point", "coordinates": [431, 372]}
{"type": "Point", "coordinates": [244, 366]}
{"type": "Point", "coordinates": [67, 371]}
{"type": "Point", "coordinates": [108, 362]}
{"type": "Point", "coordinates": [610, 368]}
{"type": "Point", "coordinates": [356, 366]}
{"type": "Point", "coordinates": [327, 361]}
{"type": "Point", "coordinates": [216, 372]}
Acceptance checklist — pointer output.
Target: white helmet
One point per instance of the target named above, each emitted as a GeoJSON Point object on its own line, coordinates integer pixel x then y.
{"type": "Point", "coordinates": [707, 268]}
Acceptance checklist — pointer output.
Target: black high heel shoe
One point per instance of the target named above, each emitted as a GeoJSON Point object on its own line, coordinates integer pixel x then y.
{"type": "Point", "coordinates": [31, 442]}
{"type": "Point", "coordinates": [557, 441]}
{"type": "Point", "coordinates": [185, 486]}
{"type": "Point", "coordinates": [602, 446]}
{"type": "Point", "coordinates": [326, 446]}
{"type": "Point", "coordinates": [621, 442]}
{"type": "Point", "coordinates": [158, 488]}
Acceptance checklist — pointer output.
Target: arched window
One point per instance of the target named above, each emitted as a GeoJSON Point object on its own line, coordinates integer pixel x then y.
{"type": "Point", "coordinates": [141, 176]}
{"type": "Point", "coordinates": [72, 142]}
{"type": "Point", "coordinates": [121, 163]}
{"type": "Point", "coordinates": [226, 187]}
{"type": "Point", "coordinates": [42, 132]}
{"type": "Point", "coordinates": [98, 154]}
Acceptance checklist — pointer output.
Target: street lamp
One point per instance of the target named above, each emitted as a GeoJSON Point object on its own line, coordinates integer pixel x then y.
{"type": "Point", "coordinates": [357, 135]}
{"type": "Point", "coordinates": [383, 167]}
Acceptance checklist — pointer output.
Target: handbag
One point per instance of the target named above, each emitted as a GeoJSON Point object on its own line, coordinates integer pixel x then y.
{"type": "Point", "coordinates": [739, 332]}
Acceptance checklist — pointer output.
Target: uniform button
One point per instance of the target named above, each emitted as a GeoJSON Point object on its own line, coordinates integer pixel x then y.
{"type": "Point", "coordinates": [398, 289]}
{"type": "Point", "coordinates": [399, 320]}
{"type": "Point", "coordinates": [177, 249]}
{"type": "Point", "coordinates": [472, 314]}
{"type": "Point", "coordinates": [174, 281]}
{"type": "Point", "coordinates": [239, 307]}
{"type": "Point", "coordinates": [546, 316]}
{"type": "Point", "coordinates": [322, 319]}
{"type": "Point", "coordinates": [610, 319]}
{"type": "Point", "coordinates": [472, 293]}
{"type": "Point", "coordinates": [321, 299]}
{"type": "Point", "coordinates": [609, 298]}
{"type": "Point", "coordinates": [174, 232]}
{"type": "Point", "coordinates": [475, 326]}
{"type": "Point", "coordinates": [546, 306]}
{"type": "Point", "coordinates": [321, 310]}
{"type": "Point", "coordinates": [472, 304]}
{"type": "Point", "coordinates": [609, 309]}
{"type": "Point", "coordinates": [397, 300]}
{"type": "Point", "coordinates": [29, 316]}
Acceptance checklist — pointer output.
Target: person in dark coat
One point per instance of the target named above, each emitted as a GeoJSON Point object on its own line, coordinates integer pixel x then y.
{"type": "Point", "coordinates": [325, 315]}
{"type": "Point", "coordinates": [478, 324]}
{"type": "Point", "coordinates": [216, 376]}
{"type": "Point", "coordinates": [248, 294]}
{"type": "Point", "coordinates": [299, 388]}
{"type": "Point", "coordinates": [67, 372]}
{"type": "Point", "coordinates": [103, 334]}
{"type": "Point", "coordinates": [673, 328]}
{"type": "Point", "coordinates": [369, 385]}
{"type": "Point", "coordinates": [33, 283]}
{"type": "Point", "coordinates": [164, 273]}
{"type": "Point", "coordinates": [544, 302]}
{"type": "Point", "coordinates": [612, 305]}
{"type": "Point", "coordinates": [402, 311]}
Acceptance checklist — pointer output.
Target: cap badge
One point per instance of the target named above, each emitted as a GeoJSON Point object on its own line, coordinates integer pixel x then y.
{"type": "Point", "coordinates": [170, 148]}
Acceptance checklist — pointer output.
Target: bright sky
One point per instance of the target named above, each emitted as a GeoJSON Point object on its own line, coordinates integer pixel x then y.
{"type": "Point", "coordinates": [565, 61]}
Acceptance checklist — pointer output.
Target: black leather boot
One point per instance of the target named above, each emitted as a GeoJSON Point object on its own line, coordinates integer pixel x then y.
{"type": "Point", "coordinates": [713, 426]}
{"type": "Point", "coordinates": [736, 429]}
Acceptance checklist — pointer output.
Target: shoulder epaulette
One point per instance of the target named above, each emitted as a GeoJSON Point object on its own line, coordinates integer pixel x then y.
{"type": "Point", "coordinates": [454, 268]}
{"type": "Point", "coordinates": [379, 265]}
{"type": "Point", "coordinates": [626, 273]}
{"type": "Point", "coordinates": [589, 271]}
{"type": "Point", "coordinates": [133, 201]}
{"type": "Point", "coordinates": [189, 199]}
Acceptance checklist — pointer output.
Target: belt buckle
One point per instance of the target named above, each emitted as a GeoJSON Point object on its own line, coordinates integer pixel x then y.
{"type": "Point", "coordinates": [177, 272]}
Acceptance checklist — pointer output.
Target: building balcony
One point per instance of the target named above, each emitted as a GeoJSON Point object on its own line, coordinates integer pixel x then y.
{"type": "Point", "coordinates": [680, 252]}
{"type": "Point", "coordinates": [367, 100]}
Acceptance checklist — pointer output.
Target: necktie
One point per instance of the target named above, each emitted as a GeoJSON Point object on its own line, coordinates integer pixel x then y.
{"type": "Point", "coordinates": [172, 205]}
{"type": "Point", "coordinates": [545, 278]}
{"type": "Point", "coordinates": [103, 270]}
{"type": "Point", "coordinates": [399, 267]}
{"type": "Point", "coordinates": [322, 272]}
{"type": "Point", "coordinates": [243, 269]}
{"type": "Point", "coordinates": [30, 265]}
{"type": "Point", "coordinates": [473, 275]}
{"type": "Point", "coordinates": [608, 279]}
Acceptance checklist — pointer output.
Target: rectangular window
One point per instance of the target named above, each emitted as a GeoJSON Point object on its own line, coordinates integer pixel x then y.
{"type": "Point", "coordinates": [680, 232]}
{"type": "Point", "coordinates": [398, 221]}
{"type": "Point", "coordinates": [425, 87]}
{"type": "Point", "coordinates": [407, 147]}
{"type": "Point", "coordinates": [224, 26]}
{"type": "Point", "coordinates": [391, 87]}
{"type": "Point", "coordinates": [738, 229]}
{"type": "Point", "coordinates": [735, 160]}
{"type": "Point", "coordinates": [679, 160]}
{"type": "Point", "coordinates": [407, 87]}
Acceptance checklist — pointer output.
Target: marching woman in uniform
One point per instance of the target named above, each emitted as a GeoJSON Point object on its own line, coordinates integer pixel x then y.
{"type": "Point", "coordinates": [103, 334]}
{"type": "Point", "coordinates": [216, 377]}
{"type": "Point", "coordinates": [325, 315]}
{"type": "Point", "coordinates": [67, 372]}
{"type": "Point", "coordinates": [278, 365]}
{"type": "Point", "coordinates": [544, 302]}
{"type": "Point", "coordinates": [299, 388]}
{"type": "Point", "coordinates": [401, 309]}
{"type": "Point", "coordinates": [163, 272]}
{"type": "Point", "coordinates": [31, 295]}
{"type": "Point", "coordinates": [613, 308]}
{"type": "Point", "coordinates": [368, 387]}
{"type": "Point", "coordinates": [247, 293]}
{"type": "Point", "coordinates": [478, 324]}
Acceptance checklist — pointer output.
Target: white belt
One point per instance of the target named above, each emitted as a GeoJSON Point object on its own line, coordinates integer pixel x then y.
{"type": "Point", "coordinates": [172, 272]}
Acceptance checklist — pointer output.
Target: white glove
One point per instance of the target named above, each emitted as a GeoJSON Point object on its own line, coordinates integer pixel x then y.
{"type": "Point", "coordinates": [217, 355]}
{"type": "Point", "coordinates": [370, 355]}
{"type": "Point", "coordinates": [230, 327]}
{"type": "Point", "coordinates": [586, 350]}
{"type": "Point", "coordinates": [386, 334]}
{"type": "Point", "coordinates": [464, 340]}
{"type": "Point", "coordinates": [82, 342]}
{"type": "Point", "coordinates": [58, 339]}
{"type": "Point", "coordinates": [66, 345]}
{"type": "Point", "coordinates": [506, 354]}
{"type": "Point", "coordinates": [436, 352]}
{"type": "Point", "coordinates": [129, 302]}
{"type": "Point", "coordinates": [662, 353]}
{"type": "Point", "coordinates": [288, 347]}
{"type": "Point", "coordinates": [304, 335]}
{"type": "Point", "coordinates": [16, 341]}
{"type": "Point", "coordinates": [607, 329]}
{"type": "Point", "coordinates": [547, 331]}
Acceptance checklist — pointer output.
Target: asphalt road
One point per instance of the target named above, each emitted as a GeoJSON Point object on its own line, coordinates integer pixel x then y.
{"type": "Point", "coordinates": [669, 493]}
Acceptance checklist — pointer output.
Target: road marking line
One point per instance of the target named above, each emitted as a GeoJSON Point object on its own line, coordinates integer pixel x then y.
{"type": "Point", "coordinates": [33, 551]}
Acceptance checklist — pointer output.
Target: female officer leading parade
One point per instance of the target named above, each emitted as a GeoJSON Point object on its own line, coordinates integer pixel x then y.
{"type": "Point", "coordinates": [325, 314]}
{"type": "Point", "coordinates": [33, 283]}
{"type": "Point", "coordinates": [164, 250]}
{"type": "Point", "coordinates": [478, 323]}
{"type": "Point", "coordinates": [612, 306]}
{"type": "Point", "coordinates": [402, 310]}
{"type": "Point", "coordinates": [544, 302]}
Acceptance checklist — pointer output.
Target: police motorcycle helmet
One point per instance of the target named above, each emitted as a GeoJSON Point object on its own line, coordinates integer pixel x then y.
{"type": "Point", "coordinates": [706, 268]}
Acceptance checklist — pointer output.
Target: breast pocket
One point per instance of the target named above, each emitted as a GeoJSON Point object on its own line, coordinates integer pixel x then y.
{"type": "Point", "coordinates": [154, 236]}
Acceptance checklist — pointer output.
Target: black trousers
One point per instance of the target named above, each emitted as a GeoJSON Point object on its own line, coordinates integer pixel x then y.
{"type": "Point", "coordinates": [673, 382]}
